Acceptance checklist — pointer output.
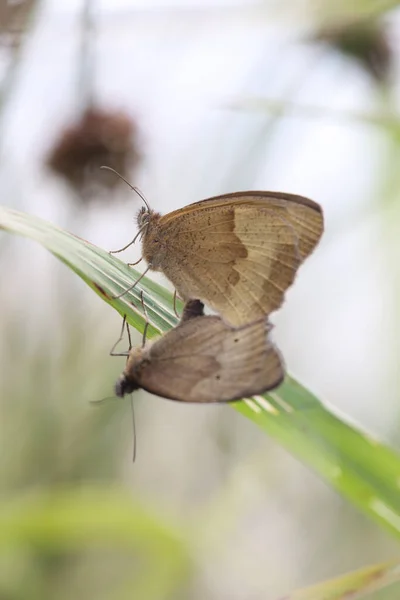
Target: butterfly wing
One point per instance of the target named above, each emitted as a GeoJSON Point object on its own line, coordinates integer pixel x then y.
{"type": "Point", "coordinates": [238, 253]}
{"type": "Point", "coordinates": [205, 360]}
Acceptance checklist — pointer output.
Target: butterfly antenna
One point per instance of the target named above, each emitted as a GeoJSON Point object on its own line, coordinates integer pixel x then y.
{"type": "Point", "coordinates": [132, 286]}
{"type": "Point", "coordinates": [102, 400]}
{"type": "Point", "coordinates": [139, 193]}
{"type": "Point", "coordinates": [147, 319]}
{"type": "Point", "coordinates": [133, 188]}
{"type": "Point", "coordinates": [134, 431]}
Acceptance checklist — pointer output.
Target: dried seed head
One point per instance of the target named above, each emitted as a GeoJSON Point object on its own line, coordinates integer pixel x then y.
{"type": "Point", "coordinates": [98, 138]}
{"type": "Point", "coordinates": [365, 42]}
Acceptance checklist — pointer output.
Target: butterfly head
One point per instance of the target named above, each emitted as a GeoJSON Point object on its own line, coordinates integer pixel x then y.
{"type": "Point", "coordinates": [128, 382]}
{"type": "Point", "coordinates": [144, 217]}
{"type": "Point", "coordinates": [125, 385]}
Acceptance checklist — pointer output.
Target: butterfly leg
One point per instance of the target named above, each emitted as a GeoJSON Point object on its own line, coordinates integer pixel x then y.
{"type": "Point", "coordinates": [135, 263]}
{"type": "Point", "coordinates": [128, 331]}
{"type": "Point", "coordinates": [175, 308]}
{"type": "Point", "coordinates": [122, 249]}
{"type": "Point", "coordinates": [147, 319]}
{"type": "Point", "coordinates": [112, 353]}
{"type": "Point", "coordinates": [175, 311]}
{"type": "Point", "coordinates": [132, 286]}
{"type": "Point", "coordinates": [131, 242]}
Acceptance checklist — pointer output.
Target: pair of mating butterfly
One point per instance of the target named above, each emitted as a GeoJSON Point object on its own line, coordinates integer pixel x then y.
{"type": "Point", "coordinates": [238, 254]}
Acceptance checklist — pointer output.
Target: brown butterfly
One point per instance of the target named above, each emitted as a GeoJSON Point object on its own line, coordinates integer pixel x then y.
{"type": "Point", "coordinates": [238, 253]}
{"type": "Point", "coordinates": [204, 360]}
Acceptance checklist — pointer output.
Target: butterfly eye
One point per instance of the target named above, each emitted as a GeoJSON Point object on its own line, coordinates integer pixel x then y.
{"type": "Point", "coordinates": [143, 217]}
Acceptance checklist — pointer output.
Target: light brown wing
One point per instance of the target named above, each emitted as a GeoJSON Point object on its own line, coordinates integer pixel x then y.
{"type": "Point", "coordinates": [204, 360]}
{"type": "Point", "coordinates": [240, 252]}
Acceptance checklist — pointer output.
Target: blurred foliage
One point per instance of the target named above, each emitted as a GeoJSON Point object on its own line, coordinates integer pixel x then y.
{"type": "Point", "coordinates": [364, 42]}
{"type": "Point", "coordinates": [14, 21]}
{"type": "Point", "coordinates": [346, 12]}
{"type": "Point", "coordinates": [352, 585]}
{"type": "Point", "coordinates": [86, 540]}
{"type": "Point", "coordinates": [68, 525]}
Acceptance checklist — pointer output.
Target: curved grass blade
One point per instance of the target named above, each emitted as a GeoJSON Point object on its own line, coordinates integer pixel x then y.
{"type": "Point", "coordinates": [352, 585]}
{"type": "Point", "coordinates": [361, 468]}
{"type": "Point", "coordinates": [104, 273]}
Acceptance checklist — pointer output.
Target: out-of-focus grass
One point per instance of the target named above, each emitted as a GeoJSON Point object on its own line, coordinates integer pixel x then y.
{"type": "Point", "coordinates": [69, 527]}
{"type": "Point", "coordinates": [75, 524]}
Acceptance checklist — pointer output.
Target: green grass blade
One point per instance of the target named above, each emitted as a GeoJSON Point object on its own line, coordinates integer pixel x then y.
{"type": "Point", "coordinates": [359, 467]}
{"type": "Point", "coordinates": [352, 585]}
{"type": "Point", "coordinates": [105, 274]}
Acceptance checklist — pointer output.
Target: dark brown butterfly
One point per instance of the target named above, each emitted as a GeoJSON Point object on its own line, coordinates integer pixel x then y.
{"type": "Point", "coordinates": [204, 360]}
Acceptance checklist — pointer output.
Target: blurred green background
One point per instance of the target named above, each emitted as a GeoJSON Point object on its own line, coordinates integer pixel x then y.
{"type": "Point", "coordinates": [190, 99]}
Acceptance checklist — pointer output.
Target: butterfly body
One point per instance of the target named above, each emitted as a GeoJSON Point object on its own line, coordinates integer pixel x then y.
{"type": "Point", "coordinates": [204, 360]}
{"type": "Point", "coordinates": [238, 253]}
{"type": "Point", "coordinates": [137, 360]}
